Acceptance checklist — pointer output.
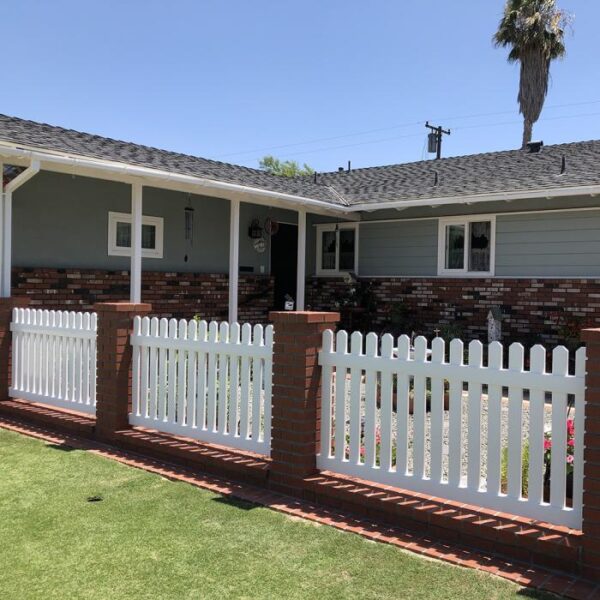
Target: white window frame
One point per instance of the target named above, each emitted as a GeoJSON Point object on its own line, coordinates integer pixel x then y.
{"type": "Point", "coordinates": [114, 250]}
{"type": "Point", "coordinates": [337, 228]}
{"type": "Point", "coordinates": [465, 220]}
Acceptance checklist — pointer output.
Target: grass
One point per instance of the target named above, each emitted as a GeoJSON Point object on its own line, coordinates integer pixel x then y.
{"type": "Point", "coordinates": [147, 537]}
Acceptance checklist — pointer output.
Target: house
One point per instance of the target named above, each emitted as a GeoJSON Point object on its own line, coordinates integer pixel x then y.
{"type": "Point", "coordinates": [440, 243]}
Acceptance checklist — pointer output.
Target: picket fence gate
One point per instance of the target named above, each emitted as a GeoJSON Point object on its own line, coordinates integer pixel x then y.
{"type": "Point", "coordinates": [206, 381]}
{"type": "Point", "coordinates": [367, 430]}
{"type": "Point", "coordinates": [54, 358]}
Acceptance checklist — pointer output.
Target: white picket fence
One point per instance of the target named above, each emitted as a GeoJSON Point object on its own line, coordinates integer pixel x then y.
{"type": "Point", "coordinates": [211, 381]}
{"type": "Point", "coordinates": [473, 449]}
{"type": "Point", "coordinates": [54, 358]}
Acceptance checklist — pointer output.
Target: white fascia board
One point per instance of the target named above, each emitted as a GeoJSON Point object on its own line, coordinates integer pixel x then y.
{"type": "Point", "coordinates": [127, 173]}
{"type": "Point", "coordinates": [586, 190]}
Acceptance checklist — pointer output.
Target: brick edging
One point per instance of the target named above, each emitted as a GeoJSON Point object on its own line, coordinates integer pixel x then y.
{"type": "Point", "coordinates": [532, 577]}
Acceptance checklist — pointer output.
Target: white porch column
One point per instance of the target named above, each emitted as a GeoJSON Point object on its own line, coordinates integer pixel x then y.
{"type": "Point", "coordinates": [301, 260]}
{"type": "Point", "coordinates": [234, 259]}
{"type": "Point", "coordinates": [7, 244]}
{"type": "Point", "coordinates": [135, 294]}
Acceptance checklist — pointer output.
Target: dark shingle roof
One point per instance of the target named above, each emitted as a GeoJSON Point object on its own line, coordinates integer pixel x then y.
{"type": "Point", "coordinates": [49, 137]}
{"type": "Point", "coordinates": [510, 171]}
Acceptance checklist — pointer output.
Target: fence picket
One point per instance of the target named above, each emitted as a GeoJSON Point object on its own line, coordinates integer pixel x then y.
{"type": "Point", "coordinates": [558, 462]}
{"type": "Point", "coordinates": [370, 404]}
{"type": "Point", "coordinates": [182, 358]}
{"type": "Point", "coordinates": [201, 420]}
{"type": "Point", "coordinates": [192, 378]}
{"type": "Point", "coordinates": [257, 380]}
{"type": "Point", "coordinates": [341, 346]}
{"type": "Point", "coordinates": [245, 384]}
{"type": "Point", "coordinates": [455, 449]}
{"type": "Point", "coordinates": [402, 400]}
{"type": "Point", "coordinates": [356, 340]}
{"type": "Point", "coordinates": [419, 410]}
{"type": "Point", "coordinates": [223, 378]}
{"type": "Point", "coordinates": [474, 419]}
{"type": "Point", "coordinates": [386, 402]}
{"type": "Point", "coordinates": [438, 352]}
{"type": "Point", "coordinates": [494, 449]}
{"type": "Point", "coordinates": [326, 399]}
{"type": "Point", "coordinates": [536, 429]}
{"type": "Point", "coordinates": [515, 423]}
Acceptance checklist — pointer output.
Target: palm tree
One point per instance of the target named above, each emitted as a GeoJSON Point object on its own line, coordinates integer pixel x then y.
{"type": "Point", "coordinates": [534, 30]}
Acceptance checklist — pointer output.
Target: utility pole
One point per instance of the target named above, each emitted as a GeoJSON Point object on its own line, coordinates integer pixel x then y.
{"type": "Point", "coordinates": [435, 139]}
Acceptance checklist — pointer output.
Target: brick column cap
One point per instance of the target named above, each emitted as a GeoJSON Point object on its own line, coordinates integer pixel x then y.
{"type": "Point", "coordinates": [303, 316]}
{"type": "Point", "coordinates": [590, 335]}
{"type": "Point", "coordinates": [142, 307]}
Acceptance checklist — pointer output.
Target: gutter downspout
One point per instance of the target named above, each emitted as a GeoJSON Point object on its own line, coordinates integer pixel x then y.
{"type": "Point", "coordinates": [11, 186]}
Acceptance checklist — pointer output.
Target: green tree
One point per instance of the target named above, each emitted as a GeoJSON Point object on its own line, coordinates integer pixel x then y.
{"type": "Point", "coordinates": [288, 168]}
{"type": "Point", "coordinates": [534, 30]}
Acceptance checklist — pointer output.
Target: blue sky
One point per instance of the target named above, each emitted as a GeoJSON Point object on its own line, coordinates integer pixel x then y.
{"type": "Point", "coordinates": [319, 81]}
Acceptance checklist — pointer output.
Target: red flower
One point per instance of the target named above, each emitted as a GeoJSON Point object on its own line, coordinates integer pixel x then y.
{"type": "Point", "coordinates": [570, 426]}
{"type": "Point", "coordinates": [571, 442]}
{"type": "Point", "coordinates": [547, 444]}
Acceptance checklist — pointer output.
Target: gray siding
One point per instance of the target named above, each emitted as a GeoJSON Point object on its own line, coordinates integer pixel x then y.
{"type": "Point", "coordinates": [398, 248]}
{"type": "Point", "coordinates": [62, 221]}
{"type": "Point", "coordinates": [565, 244]}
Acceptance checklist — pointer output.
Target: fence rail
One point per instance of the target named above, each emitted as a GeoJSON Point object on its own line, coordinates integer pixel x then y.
{"type": "Point", "coordinates": [502, 437]}
{"type": "Point", "coordinates": [211, 381]}
{"type": "Point", "coordinates": [54, 358]}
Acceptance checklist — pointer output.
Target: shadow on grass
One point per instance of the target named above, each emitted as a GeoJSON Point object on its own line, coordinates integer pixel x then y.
{"type": "Point", "coordinates": [235, 503]}
{"type": "Point", "coordinates": [61, 447]}
{"type": "Point", "coordinates": [530, 593]}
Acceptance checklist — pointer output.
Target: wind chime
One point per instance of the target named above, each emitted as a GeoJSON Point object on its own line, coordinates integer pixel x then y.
{"type": "Point", "coordinates": [188, 212]}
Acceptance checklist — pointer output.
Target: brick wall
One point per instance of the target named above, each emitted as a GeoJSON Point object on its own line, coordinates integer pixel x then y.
{"type": "Point", "coordinates": [548, 310]}
{"type": "Point", "coordinates": [180, 295]}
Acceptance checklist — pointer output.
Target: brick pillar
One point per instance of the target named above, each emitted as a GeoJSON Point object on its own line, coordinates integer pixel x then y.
{"type": "Point", "coordinates": [591, 480]}
{"type": "Point", "coordinates": [113, 388]}
{"type": "Point", "coordinates": [6, 308]}
{"type": "Point", "coordinates": [296, 411]}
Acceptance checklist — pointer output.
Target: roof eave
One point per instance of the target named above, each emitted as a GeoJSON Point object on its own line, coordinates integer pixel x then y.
{"type": "Point", "coordinates": [60, 162]}
{"type": "Point", "coordinates": [508, 196]}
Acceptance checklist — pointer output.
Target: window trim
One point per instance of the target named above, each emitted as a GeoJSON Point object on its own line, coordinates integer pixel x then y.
{"type": "Point", "coordinates": [465, 220]}
{"type": "Point", "coordinates": [337, 227]}
{"type": "Point", "coordinates": [114, 250]}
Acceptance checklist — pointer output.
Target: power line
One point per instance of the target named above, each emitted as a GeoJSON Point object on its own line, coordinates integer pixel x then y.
{"type": "Point", "coordinates": [391, 127]}
{"type": "Point", "coordinates": [401, 137]}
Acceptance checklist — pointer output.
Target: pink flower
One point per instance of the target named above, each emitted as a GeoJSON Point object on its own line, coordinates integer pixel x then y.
{"type": "Point", "coordinates": [547, 444]}
{"type": "Point", "coordinates": [570, 426]}
{"type": "Point", "coordinates": [570, 459]}
{"type": "Point", "coordinates": [571, 442]}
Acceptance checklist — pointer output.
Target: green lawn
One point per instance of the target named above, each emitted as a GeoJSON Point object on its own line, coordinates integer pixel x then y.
{"type": "Point", "coordinates": [151, 538]}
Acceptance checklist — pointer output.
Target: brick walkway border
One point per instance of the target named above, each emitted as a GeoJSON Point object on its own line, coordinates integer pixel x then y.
{"type": "Point", "coordinates": [536, 578]}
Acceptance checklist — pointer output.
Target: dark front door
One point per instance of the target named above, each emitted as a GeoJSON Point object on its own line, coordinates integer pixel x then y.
{"type": "Point", "coordinates": [284, 249]}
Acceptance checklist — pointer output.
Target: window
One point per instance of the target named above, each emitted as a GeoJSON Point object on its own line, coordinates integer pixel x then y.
{"type": "Point", "coordinates": [337, 249]}
{"type": "Point", "coordinates": [466, 246]}
{"type": "Point", "coordinates": [119, 235]}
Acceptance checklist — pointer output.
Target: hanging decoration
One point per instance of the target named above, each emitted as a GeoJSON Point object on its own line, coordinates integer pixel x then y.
{"type": "Point", "coordinates": [188, 227]}
{"type": "Point", "coordinates": [259, 245]}
{"type": "Point", "coordinates": [255, 231]}
{"type": "Point", "coordinates": [271, 226]}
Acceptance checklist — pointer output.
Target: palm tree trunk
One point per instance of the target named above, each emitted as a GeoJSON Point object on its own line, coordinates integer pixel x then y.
{"type": "Point", "coordinates": [527, 132]}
